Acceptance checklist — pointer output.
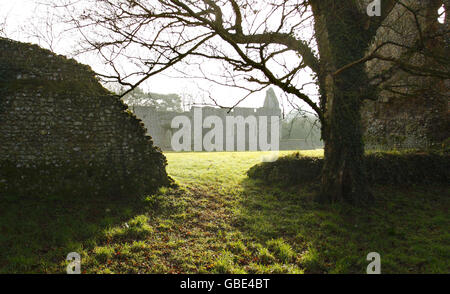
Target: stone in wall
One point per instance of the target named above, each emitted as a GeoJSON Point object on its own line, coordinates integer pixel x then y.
{"type": "Point", "coordinates": [60, 130]}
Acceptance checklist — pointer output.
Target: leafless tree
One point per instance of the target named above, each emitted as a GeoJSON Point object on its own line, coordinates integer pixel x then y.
{"type": "Point", "coordinates": [3, 23]}
{"type": "Point", "coordinates": [262, 43]}
{"type": "Point", "coordinates": [43, 29]}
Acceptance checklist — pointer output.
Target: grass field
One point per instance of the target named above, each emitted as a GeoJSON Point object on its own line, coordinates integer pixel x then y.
{"type": "Point", "coordinates": [219, 221]}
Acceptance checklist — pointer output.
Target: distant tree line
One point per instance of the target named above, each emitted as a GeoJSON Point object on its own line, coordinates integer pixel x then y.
{"type": "Point", "coordinates": [162, 102]}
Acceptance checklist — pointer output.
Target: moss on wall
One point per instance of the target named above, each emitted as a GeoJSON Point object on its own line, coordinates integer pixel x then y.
{"type": "Point", "coordinates": [61, 129]}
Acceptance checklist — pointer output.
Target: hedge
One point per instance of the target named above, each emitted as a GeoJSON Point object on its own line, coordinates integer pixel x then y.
{"type": "Point", "coordinates": [381, 167]}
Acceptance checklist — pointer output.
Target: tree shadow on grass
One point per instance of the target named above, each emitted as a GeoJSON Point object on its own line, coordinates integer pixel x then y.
{"type": "Point", "coordinates": [36, 234]}
{"type": "Point", "coordinates": [406, 226]}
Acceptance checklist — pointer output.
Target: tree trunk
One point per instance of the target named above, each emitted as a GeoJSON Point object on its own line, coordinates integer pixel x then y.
{"type": "Point", "coordinates": [341, 40]}
{"type": "Point", "coordinates": [343, 175]}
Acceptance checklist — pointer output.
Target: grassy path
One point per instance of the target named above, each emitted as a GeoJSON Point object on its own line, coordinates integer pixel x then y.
{"type": "Point", "coordinates": [218, 221]}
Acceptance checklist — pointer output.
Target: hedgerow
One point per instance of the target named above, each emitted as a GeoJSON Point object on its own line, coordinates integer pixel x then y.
{"type": "Point", "coordinates": [381, 168]}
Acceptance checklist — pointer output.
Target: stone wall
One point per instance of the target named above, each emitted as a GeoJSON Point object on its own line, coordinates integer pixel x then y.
{"type": "Point", "coordinates": [412, 110]}
{"type": "Point", "coordinates": [158, 123]}
{"type": "Point", "coordinates": [56, 120]}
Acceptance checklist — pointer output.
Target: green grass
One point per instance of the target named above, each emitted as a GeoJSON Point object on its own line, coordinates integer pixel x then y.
{"type": "Point", "coordinates": [219, 221]}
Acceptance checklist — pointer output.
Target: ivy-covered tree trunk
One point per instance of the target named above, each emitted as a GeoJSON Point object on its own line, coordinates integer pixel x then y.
{"type": "Point", "coordinates": [341, 40]}
{"type": "Point", "coordinates": [343, 175]}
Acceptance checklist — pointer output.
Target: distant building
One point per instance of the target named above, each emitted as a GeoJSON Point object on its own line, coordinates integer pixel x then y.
{"type": "Point", "coordinates": [158, 123]}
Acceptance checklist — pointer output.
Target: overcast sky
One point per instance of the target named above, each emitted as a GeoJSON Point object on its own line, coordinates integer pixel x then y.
{"type": "Point", "coordinates": [21, 14]}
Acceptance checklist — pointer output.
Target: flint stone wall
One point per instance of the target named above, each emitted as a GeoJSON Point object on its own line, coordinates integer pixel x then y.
{"type": "Point", "coordinates": [55, 117]}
